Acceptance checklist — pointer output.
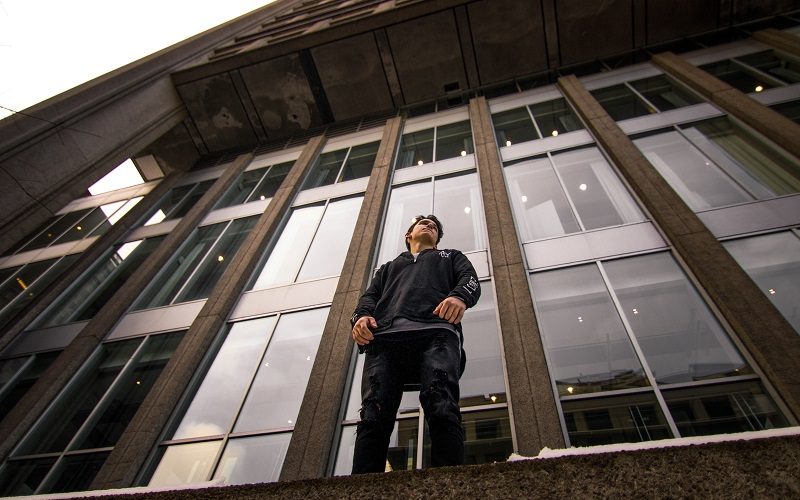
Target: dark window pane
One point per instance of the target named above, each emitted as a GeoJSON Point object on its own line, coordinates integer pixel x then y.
{"type": "Point", "coordinates": [360, 162]}
{"type": "Point", "coordinates": [513, 127]}
{"type": "Point", "coordinates": [115, 212]}
{"type": "Point", "coordinates": [768, 61]}
{"type": "Point", "coordinates": [241, 189]}
{"type": "Point", "coordinates": [215, 263]}
{"type": "Point", "coordinates": [622, 419]}
{"type": "Point", "coordinates": [555, 117]}
{"type": "Point", "coordinates": [22, 279]}
{"type": "Point", "coordinates": [722, 409]}
{"type": "Point", "coordinates": [26, 380]}
{"type": "Point", "coordinates": [83, 227]}
{"type": "Point", "coordinates": [22, 478]}
{"type": "Point", "coordinates": [168, 203]}
{"type": "Point", "coordinates": [62, 420]}
{"type": "Point", "coordinates": [663, 94]}
{"type": "Point", "coordinates": [270, 184]}
{"type": "Point", "coordinates": [621, 103]}
{"type": "Point", "coordinates": [737, 76]}
{"type": "Point", "coordinates": [194, 196]}
{"type": "Point", "coordinates": [94, 289]}
{"type": "Point", "coordinates": [21, 243]}
{"type": "Point", "coordinates": [790, 110]}
{"type": "Point", "coordinates": [52, 233]}
{"type": "Point", "coordinates": [453, 140]}
{"type": "Point", "coordinates": [77, 472]}
{"type": "Point", "coordinates": [130, 391]}
{"type": "Point", "coordinates": [487, 438]}
{"type": "Point", "coordinates": [326, 169]}
{"type": "Point", "coordinates": [416, 148]}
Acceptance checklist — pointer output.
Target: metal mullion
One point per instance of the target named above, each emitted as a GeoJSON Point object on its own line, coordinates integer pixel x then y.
{"type": "Point", "coordinates": [566, 193]}
{"type": "Point", "coordinates": [202, 260]}
{"type": "Point", "coordinates": [480, 408]}
{"type": "Point", "coordinates": [433, 154]}
{"type": "Point", "coordinates": [110, 393]}
{"type": "Point", "coordinates": [15, 378]}
{"type": "Point", "coordinates": [639, 352]}
{"type": "Point", "coordinates": [755, 72]}
{"type": "Point", "coordinates": [258, 184]}
{"type": "Point", "coordinates": [227, 435]}
{"type": "Point", "coordinates": [640, 96]}
{"type": "Point", "coordinates": [32, 283]}
{"type": "Point", "coordinates": [49, 478]}
{"type": "Point", "coordinates": [341, 167]}
{"type": "Point", "coordinates": [175, 207]}
{"type": "Point", "coordinates": [717, 166]}
{"type": "Point", "coordinates": [308, 249]}
{"type": "Point", "coordinates": [604, 394]}
{"type": "Point", "coordinates": [420, 435]}
{"type": "Point", "coordinates": [33, 237]}
{"type": "Point", "coordinates": [709, 382]}
{"type": "Point", "coordinates": [535, 124]}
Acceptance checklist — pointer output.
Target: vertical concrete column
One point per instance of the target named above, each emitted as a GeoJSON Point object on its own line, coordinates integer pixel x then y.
{"type": "Point", "coordinates": [312, 440]}
{"type": "Point", "coordinates": [773, 125]}
{"type": "Point", "coordinates": [87, 258]}
{"type": "Point", "coordinates": [141, 435]}
{"type": "Point", "coordinates": [19, 420]}
{"type": "Point", "coordinates": [766, 334]}
{"type": "Point", "coordinates": [531, 399]}
{"type": "Point", "coordinates": [779, 39]}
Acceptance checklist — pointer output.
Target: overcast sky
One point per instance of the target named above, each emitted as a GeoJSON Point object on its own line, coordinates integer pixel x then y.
{"type": "Point", "coordinates": [49, 46]}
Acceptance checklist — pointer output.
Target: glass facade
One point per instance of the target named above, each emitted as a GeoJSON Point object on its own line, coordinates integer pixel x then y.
{"type": "Point", "coordinates": [544, 119]}
{"type": "Point", "coordinates": [436, 144]}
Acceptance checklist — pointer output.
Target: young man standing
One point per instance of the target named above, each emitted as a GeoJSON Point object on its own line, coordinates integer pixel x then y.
{"type": "Point", "coordinates": [409, 324]}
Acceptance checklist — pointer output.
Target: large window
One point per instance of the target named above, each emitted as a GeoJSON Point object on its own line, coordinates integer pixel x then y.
{"type": "Point", "coordinates": [773, 262]}
{"type": "Point", "coordinates": [67, 446]}
{"type": "Point", "coordinates": [483, 402]}
{"type": "Point", "coordinates": [192, 273]}
{"type": "Point", "coordinates": [757, 72]}
{"type": "Point", "coordinates": [716, 163]}
{"type": "Point", "coordinates": [90, 293]}
{"type": "Point", "coordinates": [342, 165]}
{"type": "Point", "coordinates": [567, 192]}
{"type": "Point", "coordinates": [239, 422]}
{"type": "Point", "coordinates": [544, 119]}
{"type": "Point", "coordinates": [255, 185]}
{"type": "Point", "coordinates": [435, 144]}
{"type": "Point", "coordinates": [642, 97]}
{"type": "Point", "coordinates": [312, 245]}
{"type": "Point", "coordinates": [455, 200]}
{"type": "Point", "coordinates": [17, 375]}
{"type": "Point", "coordinates": [633, 349]}
{"type": "Point", "coordinates": [179, 201]}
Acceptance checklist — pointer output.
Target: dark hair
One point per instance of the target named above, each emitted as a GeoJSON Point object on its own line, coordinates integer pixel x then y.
{"type": "Point", "coordinates": [415, 221]}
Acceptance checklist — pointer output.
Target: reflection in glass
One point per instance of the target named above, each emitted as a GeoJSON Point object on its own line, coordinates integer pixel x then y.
{"type": "Point", "coordinates": [24, 476]}
{"type": "Point", "coordinates": [186, 464]}
{"type": "Point", "coordinates": [416, 148]}
{"type": "Point", "coordinates": [453, 140]}
{"type": "Point", "coordinates": [93, 289]}
{"type": "Point", "coordinates": [773, 262]}
{"type": "Point", "coordinates": [56, 229]}
{"type": "Point", "coordinates": [721, 409]}
{"type": "Point", "coordinates": [30, 374]}
{"type": "Point", "coordinates": [620, 103]}
{"type": "Point", "coordinates": [190, 200]}
{"type": "Point", "coordinates": [402, 448]}
{"type": "Point", "coordinates": [241, 188]}
{"type": "Point", "coordinates": [360, 161]}
{"type": "Point", "coordinates": [256, 459]}
{"type": "Point", "coordinates": [597, 193]}
{"type": "Point", "coordinates": [738, 76]}
{"type": "Point", "coordinates": [77, 472]}
{"type": "Point", "coordinates": [487, 438]}
{"type": "Point", "coordinates": [284, 260]}
{"type": "Point", "coordinates": [681, 340]}
{"type": "Point", "coordinates": [539, 203]}
{"type": "Point", "coordinates": [24, 277]}
{"type": "Point", "coordinates": [555, 117]}
{"type": "Point", "coordinates": [115, 215]}
{"type": "Point", "coordinates": [169, 281]}
{"type": "Point", "coordinates": [216, 402]}
{"type": "Point", "coordinates": [329, 248]}
{"type": "Point", "coordinates": [587, 346]}
{"type": "Point", "coordinates": [692, 175]}
{"type": "Point", "coordinates": [457, 203]}
{"type": "Point", "coordinates": [168, 203]}
{"type": "Point", "coordinates": [664, 94]}
{"type": "Point", "coordinates": [271, 182]}
{"type": "Point", "coordinates": [277, 391]}
{"type": "Point", "coordinates": [209, 271]}
{"type": "Point", "coordinates": [408, 404]}
{"type": "Point", "coordinates": [83, 227]}
{"type": "Point", "coordinates": [513, 127]}
{"type": "Point", "coordinates": [788, 71]}
{"type": "Point", "coordinates": [326, 169]}
{"type": "Point", "coordinates": [405, 202]}
{"type": "Point", "coordinates": [756, 165]}
{"type": "Point", "coordinates": [9, 368]}
{"type": "Point", "coordinates": [483, 381]}
{"type": "Point", "coordinates": [631, 418]}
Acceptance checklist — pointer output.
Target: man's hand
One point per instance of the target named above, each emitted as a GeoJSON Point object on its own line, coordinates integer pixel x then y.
{"type": "Point", "coordinates": [361, 330]}
{"type": "Point", "coordinates": [451, 309]}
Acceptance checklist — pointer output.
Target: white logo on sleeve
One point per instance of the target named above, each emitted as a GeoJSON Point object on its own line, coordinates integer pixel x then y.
{"type": "Point", "coordinates": [444, 254]}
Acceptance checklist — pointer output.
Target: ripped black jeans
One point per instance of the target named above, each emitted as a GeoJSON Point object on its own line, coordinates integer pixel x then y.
{"type": "Point", "coordinates": [432, 359]}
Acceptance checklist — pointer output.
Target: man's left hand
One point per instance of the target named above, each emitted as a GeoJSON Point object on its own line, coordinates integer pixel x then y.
{"type": "Point", "coordinates": [451, 309]}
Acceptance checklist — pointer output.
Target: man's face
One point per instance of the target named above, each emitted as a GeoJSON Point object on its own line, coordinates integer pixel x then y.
{"type": "Point", "coordinates": [425, 231]}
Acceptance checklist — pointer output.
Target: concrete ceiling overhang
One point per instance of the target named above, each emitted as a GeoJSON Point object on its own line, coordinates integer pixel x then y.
{"type": "Point", "coordinates": [423, 51]}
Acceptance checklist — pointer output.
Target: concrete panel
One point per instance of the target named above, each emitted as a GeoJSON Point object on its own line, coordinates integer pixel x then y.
{"type": "Point", "coordinates": [674, 19]}
{"type": "Point", "coordinates": [352, 75]}
{"type": "Point", "coordinates": [577, 29]}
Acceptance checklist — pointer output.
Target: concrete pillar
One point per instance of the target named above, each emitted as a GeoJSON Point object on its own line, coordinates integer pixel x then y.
{"type": "Point", "coordinates": [779, 39]}
{"type": "Point", "coordinates": [19, 420]}
{"type": "Point", "coordinates": [312, 440]}
{"type": "Point", "coordinates": [86, 260]}
{"type": "Point", "coordinates": [773, 125]}
{"type": "Point", "coordinates": [766, 334]}
{"type": "Point", "coordinates": [142, 433]}
{"type": "Point", "coordinates": [531, 399]}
